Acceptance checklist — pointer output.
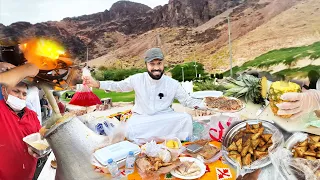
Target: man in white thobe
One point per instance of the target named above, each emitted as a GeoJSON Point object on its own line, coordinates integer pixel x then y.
{"type": "Point", "coordinates": [153, 117]}
{"type": "Point", "coordinates": [33, 101]}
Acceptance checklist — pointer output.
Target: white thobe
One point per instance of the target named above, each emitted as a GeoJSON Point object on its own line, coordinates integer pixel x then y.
{"type": "Point", "coordinates": [152, 114]}
{"type": "Point", "coordinates": [33, 101]}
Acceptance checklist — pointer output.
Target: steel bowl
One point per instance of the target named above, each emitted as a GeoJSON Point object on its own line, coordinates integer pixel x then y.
{"type": "Point", "coordinates": [227, 140]}
{"type": "Point", "coordinates": [36, 137]}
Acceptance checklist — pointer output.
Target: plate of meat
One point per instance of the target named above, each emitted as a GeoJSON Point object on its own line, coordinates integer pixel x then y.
{"type": "Point", "coordinates": [224, 104]}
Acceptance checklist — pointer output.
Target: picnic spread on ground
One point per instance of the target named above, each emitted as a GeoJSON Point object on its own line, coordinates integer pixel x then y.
{"type": "Point", "coordinates": [245, 145]}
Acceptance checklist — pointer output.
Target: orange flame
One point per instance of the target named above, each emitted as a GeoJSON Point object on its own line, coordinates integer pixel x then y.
{"type": "Point", "coordinates": [42, 52]}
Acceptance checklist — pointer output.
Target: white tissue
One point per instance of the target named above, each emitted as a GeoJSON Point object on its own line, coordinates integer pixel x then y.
{"type": "Point", "coordinates": [165, 155]}
{"type": "Point", "coordinates": [152, 149]}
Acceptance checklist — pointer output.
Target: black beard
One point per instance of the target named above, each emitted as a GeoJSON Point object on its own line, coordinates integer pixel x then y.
{"type": "Point", "coordinates": [157, 77]}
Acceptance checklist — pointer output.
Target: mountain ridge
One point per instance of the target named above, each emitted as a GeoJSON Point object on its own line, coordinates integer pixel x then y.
{"type": "Point", "coordinates": [186, 30]}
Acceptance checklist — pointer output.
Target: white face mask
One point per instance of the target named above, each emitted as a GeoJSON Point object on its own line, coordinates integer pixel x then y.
{"type": "Point", "coordinates": [15, 103]}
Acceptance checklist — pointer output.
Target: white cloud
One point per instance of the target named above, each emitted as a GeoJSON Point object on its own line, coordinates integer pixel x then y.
{"type": "Point", "coordinates": [35, 11]}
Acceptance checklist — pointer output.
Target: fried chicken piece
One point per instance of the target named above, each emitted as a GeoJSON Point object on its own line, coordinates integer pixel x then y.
{"type": "Point", "coordinates": [246, 160]}
{"type": "Point", "coordinates": [237, 158]}
{"type": "Point", "coordinates": [260, 154]}
{"type": "Point", "coordinates": [314, 138]}
{"type": "Point", "coordinates": [257, 126]}
{"type": "Point", "coordinates": [245, 150]}
{"type": "Point", "coordinates": [266, 137]}
{"type": "Point", "coordinates": [262, 143]}
{"type": "Point", "coordinates": [310, 158]}
{"type": "Point", "coordinates": [309, 153]}
{"type": "Point", "coordinates": [234, 152]}
{"type": "Point", "coordinates": [255, 143]}
{"type": "Point", "coordinates": [239, 145]}
{"type": "Point", "coordinates": [304, 143]}
{"type": "Point", "coordinates": [301, 150]}
{"type": "Point", "coordinates": [232, 147]}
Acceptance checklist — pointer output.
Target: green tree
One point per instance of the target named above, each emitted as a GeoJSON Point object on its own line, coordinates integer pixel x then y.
{"type": "Point", "coordinates": [189, 71]}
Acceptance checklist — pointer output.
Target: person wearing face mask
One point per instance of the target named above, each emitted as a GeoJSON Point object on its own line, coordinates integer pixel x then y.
{"type": "Point", "coordinates": [33, 92]}
{"type": "Point", "coordinates": [16, 122]}
{"type": "Point", "coordinates": [153, 116]}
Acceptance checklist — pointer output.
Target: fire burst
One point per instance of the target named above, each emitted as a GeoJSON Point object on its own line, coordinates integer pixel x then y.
{"type": "Point", "coordinates": [43, 52]}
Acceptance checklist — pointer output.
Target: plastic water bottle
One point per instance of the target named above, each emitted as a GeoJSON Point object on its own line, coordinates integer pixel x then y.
{"type": "Point", "coordinates": [113, 168]}
{"type": "Point", "coordinates": [107, 128]}
{"type": "Point", "coordinates": [130, 163]}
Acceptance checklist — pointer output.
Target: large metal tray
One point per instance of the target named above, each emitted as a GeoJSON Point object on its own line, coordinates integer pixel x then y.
{"type": "Point", "coordinates": [227, 140]}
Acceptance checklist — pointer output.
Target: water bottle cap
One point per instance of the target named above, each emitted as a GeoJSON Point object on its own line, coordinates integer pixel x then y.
{"type": "Point", "coordinates": [110, 161]}
{"type": "Point", "coordinates": [131, 153]}
{"type": "Point", "coordinates": [188, 139]}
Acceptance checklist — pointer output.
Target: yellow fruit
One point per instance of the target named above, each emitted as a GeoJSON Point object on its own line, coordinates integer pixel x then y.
{"type": "Point", "coordinates": [172, 144]}
{"type": "Point", "coordinates": [264, 84]}
{"type": "Point", "coordinates": [276, 90]}
{"type": "Point", "coordinates": [176, 145]}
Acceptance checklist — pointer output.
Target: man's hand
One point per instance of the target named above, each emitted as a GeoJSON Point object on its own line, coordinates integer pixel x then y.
{"type": "Point", "coordinates": [12, 77]}
{"type": "Point", "coordinates": [4, 66]}
{"type": "Point", "coordinates": [299, 103]}
{"type": "Point", "coordinates": [89, 81]}
{"type": "Point", "coordinates": [250, 176]}
{"type": "Point", "coordinates": [33, 154]}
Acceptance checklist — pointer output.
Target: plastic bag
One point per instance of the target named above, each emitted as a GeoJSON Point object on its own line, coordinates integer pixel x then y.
{"type": "Point", "coordinates": [118, 133]}
{"type": "Point", "coordinates": [290, 168]}
{"type": "Point", "coordinates": [200, 131]}
{"type": "Point", "coordinates": [278, 142]}
{"type": "Point", "coordinates": [100, 125]}
{"type": "Point", "coordinates": [312, 120]}
{"type": "Point", "coordinates": [152, 149]}
{"type": "Point", "coordinates": [219, 126]}
{"type": "Point", "coordinates": [85, 97]}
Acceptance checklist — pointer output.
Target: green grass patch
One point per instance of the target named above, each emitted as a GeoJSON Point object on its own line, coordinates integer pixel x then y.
{"type": "Point", "coordinates": [104, 73]}
{"type": "Point", "coordinates": [297, 72]}
{"type": "Point", "coordinates": [286, 56]}
{"type": "Point", "coordinates": [116, 96]}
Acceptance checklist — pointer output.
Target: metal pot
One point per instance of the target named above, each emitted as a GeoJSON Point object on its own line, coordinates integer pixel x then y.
{"type": "Point", "coordinates": [73, 144]}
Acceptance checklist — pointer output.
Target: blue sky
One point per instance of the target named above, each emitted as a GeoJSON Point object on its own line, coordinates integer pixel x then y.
{"type": "Point", "coordinates": [35, 11]}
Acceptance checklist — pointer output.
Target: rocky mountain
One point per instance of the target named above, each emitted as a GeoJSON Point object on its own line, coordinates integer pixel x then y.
{"type": "Point", "coordinates": [124, 19]}
{"type": "Point", "coordinates": [184, 29]}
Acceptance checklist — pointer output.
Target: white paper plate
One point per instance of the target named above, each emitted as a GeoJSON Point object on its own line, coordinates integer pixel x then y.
{"type": "Point", "coordinates": [190, 159]}
{"type": "Point", "coordinates": [203, 94]}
